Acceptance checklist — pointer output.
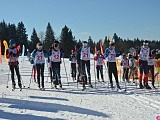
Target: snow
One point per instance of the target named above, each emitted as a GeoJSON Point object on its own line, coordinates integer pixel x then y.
{"type": "Point", "coordinates": [71, 103]}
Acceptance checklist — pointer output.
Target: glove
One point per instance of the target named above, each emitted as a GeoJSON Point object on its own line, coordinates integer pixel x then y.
{"type": "Point", "coordinates": [14, 55]}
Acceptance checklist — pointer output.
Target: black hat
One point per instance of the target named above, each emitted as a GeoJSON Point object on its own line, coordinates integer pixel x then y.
{"type": "Point", "coordinates": [85, 42]}
{"type": "Point", "coordinates": [145, 43]}
{"type": "Point", "coordinates": [56, 42]}
{"type": "Point", "coordinates": [112, 44]}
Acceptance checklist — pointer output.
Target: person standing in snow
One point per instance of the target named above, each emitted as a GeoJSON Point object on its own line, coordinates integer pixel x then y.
{"type": "Point", "coordinates": [125, 65]}
{"type": "Point", "coordinates": [12, 54]}
{"type": "Point", "coordinates": [39, 55]}
{"type": "Point", "coordinates": [84, 54]}
{"type": "Point", "coordinates": [73, 60]}
{"type": "Point", "coordinates": [99, 64]}
{"type": "Point", "coordinates": [144, 54]}
{"type": "Point", "coordinates": [56, 54]}
{"type": "Point", "coordinates": [110, 55]}
{"type": "Point", "coordinates": [132, 67]}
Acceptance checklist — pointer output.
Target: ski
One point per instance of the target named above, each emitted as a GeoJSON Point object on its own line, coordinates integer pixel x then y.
{"type": "Point", "coordinates": [13, 89]}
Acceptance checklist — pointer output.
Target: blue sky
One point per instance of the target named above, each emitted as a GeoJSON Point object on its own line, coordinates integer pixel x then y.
{"type": "Point", "coordinates": [95, 18]}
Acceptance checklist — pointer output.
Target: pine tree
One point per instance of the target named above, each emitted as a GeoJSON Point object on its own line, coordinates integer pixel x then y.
{"type": "Point", "coordinates": [49, 37]}
{"type": "Point", "coordinates": [3, 33]}
{"type": "Point", "coordinates": [11, 31]}
{"type": "Point", "coordinates": [90, 42]}
{"type": "Point", "coordinates": [22, 37]}
{"type": "Point", "coordinates": [34, 40]}
{"type": "Point", "coordinates": [67, 41]}
{"type": "Point", "coordinates": [105, 43]}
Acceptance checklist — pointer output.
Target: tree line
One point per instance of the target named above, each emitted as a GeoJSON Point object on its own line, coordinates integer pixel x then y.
{"type": "Point", "coordinates": [67, 40]}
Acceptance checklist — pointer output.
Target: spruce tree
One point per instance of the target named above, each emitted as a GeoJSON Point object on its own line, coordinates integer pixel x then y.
{"type": "Point", "coordinates": [90, 42]}
{"type": "Point", "coordinates": [11, 31]}
{"type": "Point", "coordinates": [49, 37]}
{"type": "Point", "coordinates": [67, 41]}
{"type": "Point", "coordinates": [34, 40]}
{"type": "Point", "coordinates": [3, 33]}
{"type": "Point", "coordinates": [22, 37]}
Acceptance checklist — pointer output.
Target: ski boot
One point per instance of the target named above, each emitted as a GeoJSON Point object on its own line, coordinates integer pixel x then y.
{"type": "Point", "coordinates": [43, 89]}
{"type": "Point", "coordinates": [112, 87]}
{"type": "Point", "coordinates": [141, 86]}
{"type": "Point", "coordinates": [153, 86]}
{"type": "Point", "coordinates": [118, 87]}
{"type": "Point", "coordinates": [147, 86]}
{"type": "Point", "coordinates": [13, 87]}
{"type": "Point", "coordinates": [90, 85]}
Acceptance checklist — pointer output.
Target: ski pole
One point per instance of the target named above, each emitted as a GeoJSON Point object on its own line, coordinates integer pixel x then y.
{"type": "Point", "coordinates": [30, 79]}
{"type": "Point", "coordinates": [125, 79]}
{"type": "Point", "coordinates": [95, 74]}
{"type": "Point", "coordinates": [8, 78]}
{"type": "Point", "coordinates": [51, 77]}
{"type": "Point", "coordinates": [108, 73]}
{"type": "Point", "coordinates": [65, 71]}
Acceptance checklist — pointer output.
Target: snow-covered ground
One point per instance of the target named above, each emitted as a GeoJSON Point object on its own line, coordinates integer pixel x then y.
{"type": "Point", "coordinates": [71, 103]}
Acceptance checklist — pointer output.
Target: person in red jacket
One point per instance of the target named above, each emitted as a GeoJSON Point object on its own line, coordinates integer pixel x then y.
{"type": "Point", "coordinates": [12, 54]}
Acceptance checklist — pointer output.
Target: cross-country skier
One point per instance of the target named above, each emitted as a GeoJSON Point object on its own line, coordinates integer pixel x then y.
{"type": "Point", "coordinates": [39, 55]}
{"type": "Point", "coordinates": [144, 54]}
{"type": "Point", "coordinates": [151, 66]}
{"type": "Point", "coordinates": [110, 55]}
{"type": "Point", "coordinates": [84, 54]}
{"type": "Point", "coordinates": [132, 67]}
{"type": "Point", "coordinates": [73, 60]}
{"type": "Point", "coordinates": [99, 64]}
{"type": "Point", "coordinates": [125, 65]}
{"type": "Point", "coordinates": [56, 54]}
{"type": "Point", "coordinates": [12, 54]}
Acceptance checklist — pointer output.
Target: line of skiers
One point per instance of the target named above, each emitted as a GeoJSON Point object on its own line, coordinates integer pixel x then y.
{"type": "Point", "coordinates": [81, 57]}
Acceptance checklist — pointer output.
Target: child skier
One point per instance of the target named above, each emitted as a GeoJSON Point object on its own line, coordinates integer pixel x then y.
{"type": "Point", "coordinates": [13, 54]}
{"type": "Point", "coordinates": [84, 53]}
{"type": "Point", "coordinates": [73, 60]}
{"type": "Point", "coordinates": [110, 55]}
{"type": "Point", "coordinates": [132, 67]}
{"type": "Point", "coordinates": [125, 65]}
{"type": "Point", "coordinates": [56, 55]}
{"type": "Point", "coordinates": [39, 55]}
{"type": "Point", "coordinates": [99, 64]}
{"type": "Point", "coordinates": [144, 54]}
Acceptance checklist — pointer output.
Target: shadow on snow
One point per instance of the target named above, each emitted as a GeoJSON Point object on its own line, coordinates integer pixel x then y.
{"type": "Point", "coordinates": [48, 107]}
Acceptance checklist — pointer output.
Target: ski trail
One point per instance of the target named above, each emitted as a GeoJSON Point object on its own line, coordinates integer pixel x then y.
{"type": "Point", "coordinates": [147, 102]}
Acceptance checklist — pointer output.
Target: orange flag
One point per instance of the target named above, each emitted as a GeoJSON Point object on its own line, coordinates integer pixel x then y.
{"type": "Point", "coordinates": [6, 47]}
{"type": "Point", "coordinates": [0, 53]}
